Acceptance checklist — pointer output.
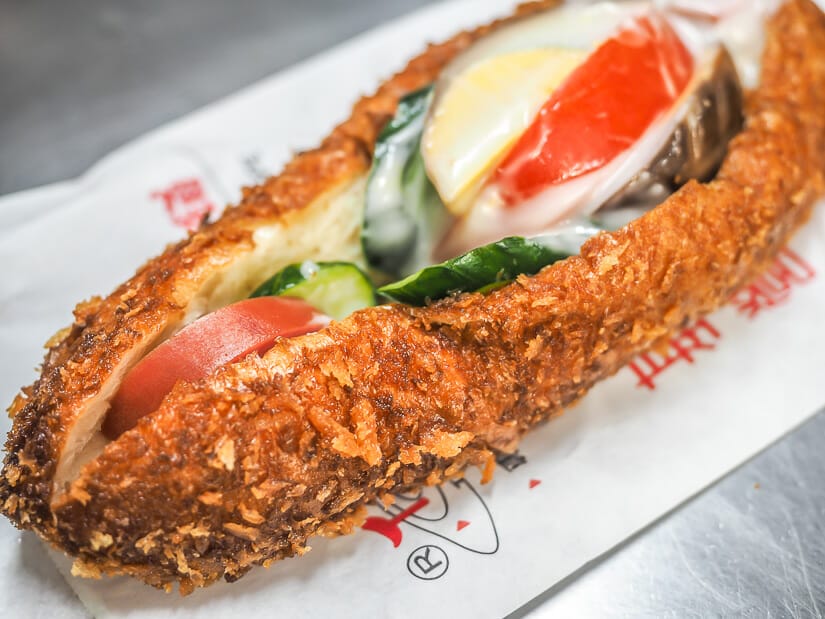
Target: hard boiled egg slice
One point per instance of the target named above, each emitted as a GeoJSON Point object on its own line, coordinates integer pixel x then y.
{"type": "Point", "coordinates": [488, 95]}
{"type": "Point", "coordinates": [484, 110]}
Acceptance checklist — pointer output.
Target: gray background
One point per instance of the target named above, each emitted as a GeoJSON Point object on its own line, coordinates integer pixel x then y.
{"type": "Point", "coordinates": [78, 79]}
{"type": "Point", "coordinates": [81, 78]}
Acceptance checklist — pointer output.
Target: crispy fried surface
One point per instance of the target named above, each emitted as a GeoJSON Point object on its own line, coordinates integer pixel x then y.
{"type": "Point", "coordinates": [239, 469]}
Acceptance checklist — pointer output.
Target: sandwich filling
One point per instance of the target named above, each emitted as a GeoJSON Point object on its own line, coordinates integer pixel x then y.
{"type": "Point", "coordinates": [548, 131]}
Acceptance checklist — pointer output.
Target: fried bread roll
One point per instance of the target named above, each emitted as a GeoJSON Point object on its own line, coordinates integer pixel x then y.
{"type": "Point", "coordinates": [240, 468]}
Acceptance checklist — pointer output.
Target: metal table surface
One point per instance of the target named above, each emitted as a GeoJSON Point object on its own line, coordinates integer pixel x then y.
{"type": "Point", "coordinates": [80, 79]}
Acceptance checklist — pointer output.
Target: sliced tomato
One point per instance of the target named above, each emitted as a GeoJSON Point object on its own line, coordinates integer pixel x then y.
{"type": "Point", "coordinates": [600, 110]}
{"type": "Point", "coordinates": [223, 336]}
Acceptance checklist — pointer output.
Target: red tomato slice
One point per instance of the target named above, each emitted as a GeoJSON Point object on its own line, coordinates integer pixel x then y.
{"type": "Point", "coordinates": [223, 336]}
{"type": "Point", "coordinates": [600, 110]}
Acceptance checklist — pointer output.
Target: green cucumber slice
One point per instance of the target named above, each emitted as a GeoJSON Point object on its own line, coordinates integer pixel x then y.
{"type": "Point", "coordinates": [335, 288]}
{"type": "Point", "coordinates": [483, 267]}
{"type": "Point", "coordinates": [403, 215]}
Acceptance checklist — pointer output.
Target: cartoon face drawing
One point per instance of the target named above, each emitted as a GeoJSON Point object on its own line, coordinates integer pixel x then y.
{"type": "Point", "coordinates": [454, 511]}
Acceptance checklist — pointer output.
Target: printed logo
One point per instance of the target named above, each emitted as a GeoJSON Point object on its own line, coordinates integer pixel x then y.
{"type": "Point", "coordinates": [454, 512]}
{"type": "Point", "coordinates": [428, 562]}
{"type": "Point", "coordinates": [701, 336]}
{"type": "Point", "coordinates": [255, 168]}
{"type": "Point", "coordinates": [186, 203]}
{"type": "Point", "coordinates": [774, 286]}
{"type": "Point", "coordinates": [388, 527]}
{"type": "Point", "coordinates": [769, 290]}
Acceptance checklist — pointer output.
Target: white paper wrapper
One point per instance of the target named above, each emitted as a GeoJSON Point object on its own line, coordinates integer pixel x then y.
{"type": "Point", "coordinates": [638, 445]}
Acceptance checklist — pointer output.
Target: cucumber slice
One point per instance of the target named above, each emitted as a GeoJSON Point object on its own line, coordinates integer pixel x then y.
{"type": "Point", "coordinates": [483, 267]}
{"type": "Point", "coordinates": [335, 288]}
{"type": "Point", "coordinates": [403, 215]}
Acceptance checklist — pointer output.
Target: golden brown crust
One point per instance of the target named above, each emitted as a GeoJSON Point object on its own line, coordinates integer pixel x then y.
{"type": "Point", "coordinates": [242, 467]}
{"type": "Point", "coordinates": [105, 330]}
